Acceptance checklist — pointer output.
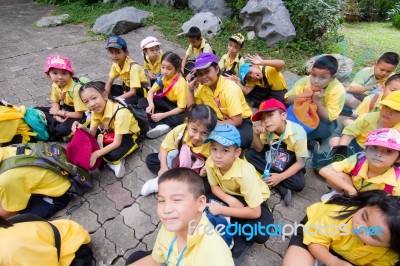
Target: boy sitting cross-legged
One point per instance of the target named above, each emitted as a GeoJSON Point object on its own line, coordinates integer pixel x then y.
{"type": "Point", "coordinates": [236, 183]}
{"type": "Point", "coordinates": [186, 236]}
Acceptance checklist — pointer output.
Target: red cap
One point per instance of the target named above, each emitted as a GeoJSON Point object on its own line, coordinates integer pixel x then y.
{"type": "Point", "coordinates": [267, 106]}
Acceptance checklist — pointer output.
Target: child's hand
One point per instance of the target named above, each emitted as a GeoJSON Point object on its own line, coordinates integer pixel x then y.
{"type": "Point", "coordinates": [234, 78]}
{"type": "Point", "coordinates": [273, 180]}
{"type": "Point", "coordinates": [351, 192]}
{"type": "Point", "coordinates": [60, 119]}
{"type": "Point", "coordinates": [76, 125]}
{"type": "Point", "coordinates": [234, 202]}
{"type": "Point", "coordinates": [258, 130]}
{"type": "Point", "coordinates": [215, 208]}
{"type": "Point", "coordinates": [157, 117]}
{"type": "Point", "coordinates": [93, 158]}
{"type": "Point", "coordinates": [255, 59]}
{"type": "Point", "coordinates": [203, 172]}
{"type": "Point", "coordinates": [53, 110]}
{"type": "Point", "coordinates": [314, 88]}
{"type": "Point", "coordinates": [150, 109]}
{"type": "Point", "coordinates": [317, 96]}
{"type": "Point", "coordinates": [152, 76]}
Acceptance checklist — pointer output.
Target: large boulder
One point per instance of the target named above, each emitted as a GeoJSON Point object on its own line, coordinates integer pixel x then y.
{"type": "Point", "coordinates": [51, 21]}
{"type": "Point", "coordinates": [114, 1]}
{"type": "Point", "coordinates": [162, 2]}
{"type": "Point", "coordinates": [207, 22]}
{"type": "Point", "coordinates": [218, 7]}
{"type": "Point", "coordinates": [344, 70]}
{"type": "Point", "coordinates": [121, 21]}
{"type": "Point", "coordinates": [269, 19]}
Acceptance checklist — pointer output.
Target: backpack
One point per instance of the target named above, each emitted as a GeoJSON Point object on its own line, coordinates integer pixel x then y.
{"type": "Point", "coordinates": [78, 82]}
{"type": "Point", "coordinates": [52, 157]}
{"type": "Point", "coordinates": [36, 119]}
{"type": "Point", "coordinates": [336, 154]}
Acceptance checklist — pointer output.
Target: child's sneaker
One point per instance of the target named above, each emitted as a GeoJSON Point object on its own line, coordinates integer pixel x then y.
{"type": "Point", "coordinates": [149, 187]}
{"type": "Point", "coordinates": [329, 195]}
{"type": "Point", "coordinates": [159, 130]}
{"type": "Point", "coordinates": [119, 169]}
{"type": "Point", "coordinates": [240, 248]}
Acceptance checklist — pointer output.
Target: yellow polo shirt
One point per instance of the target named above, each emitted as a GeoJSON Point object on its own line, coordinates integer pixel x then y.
{"type": "Point", "coordinates": [363, 125]}
{"type": "Point", "coordinates": [204, 247]}
{"type": "Point", "coordinates": [14, 123]}
{"type": "Point", "coordinates": [364, 106]}
{"type": "Point", "coordinates": [178, 93]}
{"type": "Point", "coordinates": [333, 97]}
{"type": "Point", "coordinates": [361, 181]}
{"type": "Point", "coordinates": [226, 64]}
{"type": "Point", "coordinates": [194, 52]}
{"type": "Point", "coordinates": [241, 179]}
{"type": "Point", "coordinates": [343, 242]}
{"type": "Point", "coordinates": [70, 93]}
{"type": "Point", "coordinates": [155, 67]}
{"type": "Point", "coordinates": [173, 137]}
{"type": "Point", "coordinates": [274, 78]}
{"type": "Point", "coordinates": [295, 139]}
{"type": "Point", "coordinates": [131, 75]}
{"type": "Point", "coordinates": [123, 123]}
{"type": "Point", "coordinates": [32, 243]}
{"type": "Point", "coordinates": [229, 96]}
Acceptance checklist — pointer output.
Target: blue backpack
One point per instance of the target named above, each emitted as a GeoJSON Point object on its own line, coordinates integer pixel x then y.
{"type": "Point", "coordinates": [36, 119]}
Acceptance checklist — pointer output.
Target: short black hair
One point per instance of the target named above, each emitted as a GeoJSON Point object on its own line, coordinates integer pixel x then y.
{"type": "Point", "coordinates": [395, 77]}
{"type": "Point", "coordinates": [389, 58]}
{"type": "Point", "coordinates": [327, 62]}
{"type": "Point", "coordinates": [187, 176]}
{"type": "Point", "coordinates": [194, 32]}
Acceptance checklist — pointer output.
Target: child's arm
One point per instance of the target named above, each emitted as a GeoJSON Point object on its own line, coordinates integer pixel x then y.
{"type": "Point", "coordinates": [322, 254]}
{"type": "Point", "coordinates": [305, 94]}
{"type": "Point", "coordinates": [66, 114]}
{"type": "Point", "coordinates": [106, 150]}
{"type": "Point", "coordinates": [108, 85]}
{"type": "Point", "coordinates": [275, 63]}
{"type": "Point", "coordinates": [257, 131]}
{"type": "Point", "coordinates": [340, 181]}
{"type": "Point", "coordinates": [233, 120]}
{"type": "Point", "coordinates": [276, 178]}
{"type": "Point", "coordinates": [345, 140]}
{"type": "Point", "coordinates": [160, 116]}
{"type": "Point", "coordinates": [55, 107]}
{"type": "Point", "coordinates": [129, 93]}
{"type": "Point", "coordinates": [321, 109]}
{"type": "Point", "coordinates": [184, 61]}
{"type": "Point", "coordinates": [163, 160]}
{"type": "Point", "coordinates": [6, 214]}
{"type": "Point", "coordinates": [146, 261]}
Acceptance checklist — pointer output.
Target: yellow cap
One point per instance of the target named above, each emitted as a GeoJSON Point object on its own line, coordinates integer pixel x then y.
{"type": "Point", "coordinates": [392, 100]}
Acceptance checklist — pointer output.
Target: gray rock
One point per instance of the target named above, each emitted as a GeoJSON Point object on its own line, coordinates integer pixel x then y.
{"type": "Point", "coordinates": [52, 21]}
{"type": "Point", "coordinates": [269, 19]}
{"type": "Point", "coordinates": [121, 21]}
{"type": "Point", "coordinates": [162, 2]}
{"type": "Point", "coordinates": [218, 7]}
{"type": "Point", "coordinates": [207, 22]}
{"type": "Point", "coordinates": [114, 1]}
{"type": "Point", "coordinates": [344, 70]}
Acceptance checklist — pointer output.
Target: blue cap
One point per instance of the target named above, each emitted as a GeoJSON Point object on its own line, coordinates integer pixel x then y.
{"type": "Point", "coordinates": [226, 135]}
{"type": "Point", "coordinates": [243, 71]}
{"type": "Point", "coordinates": [116, 42]}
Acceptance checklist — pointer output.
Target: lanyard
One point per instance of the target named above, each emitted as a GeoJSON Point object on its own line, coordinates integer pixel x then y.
{"type": "Point", "coordinates": [269, 155]}
{"type": "Point", "coordinates": [171, 246]}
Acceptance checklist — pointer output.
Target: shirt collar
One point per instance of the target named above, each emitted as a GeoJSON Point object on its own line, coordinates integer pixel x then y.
{"type": "Point", "coordinates": [108, 111]}
{"type": "Point", "coordinates": [388, 177]}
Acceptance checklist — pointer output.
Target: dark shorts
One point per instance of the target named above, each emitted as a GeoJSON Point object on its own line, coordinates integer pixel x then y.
{"type": "Point", "coordinates": [359, 96]}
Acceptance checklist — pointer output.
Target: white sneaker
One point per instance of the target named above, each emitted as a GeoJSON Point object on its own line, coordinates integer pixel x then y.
{"type": "Point", "coordinates": [329, 195]}
{"type": "Point", "coordinates": [158, 131]}
{"type": "Point", "coordinates": [150, 186]}
{"type": "Point", "coordinates": [119, 169]}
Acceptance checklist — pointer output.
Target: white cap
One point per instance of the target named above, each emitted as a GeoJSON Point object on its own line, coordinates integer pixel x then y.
{"type": "Point", "coordinates": [149, 42]}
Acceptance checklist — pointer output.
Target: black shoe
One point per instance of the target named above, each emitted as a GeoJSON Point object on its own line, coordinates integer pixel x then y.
{"type": "Point", "coordinates": [287, 199]}
{"type": "Point", "coordinates": [240, 247]}
{"type": "Point", "coordinates": [313, 146]}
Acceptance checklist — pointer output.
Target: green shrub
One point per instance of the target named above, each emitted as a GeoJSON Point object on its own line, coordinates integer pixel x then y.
{"type": "Point", "coordinates": [394, 16]}
{"type": "Point", "coordinates": [375, 10]}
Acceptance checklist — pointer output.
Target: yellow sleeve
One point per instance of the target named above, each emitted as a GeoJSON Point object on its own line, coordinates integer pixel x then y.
{"type": "Point", "coordinates": [299, 87]}
{"type": "Point", "coordinates": [170, 141]}
{"type": "Point", "coordinates": [14, 196]}
{"type": "Point", "coordinates": [113, 72]}
{"type": "Point", "coordinates": [121, 125]}
{"type": "Point", "coordinates": [210, 173]}
{"type": "Point", "coordinates": [189, 50]}
{"type": "Point", "coordinates": [275, 79]}
{"type": "Point", "coordinates": [363, 108]}
{"type": "Point", "coordinates": [79, 106]}
{"type": "Point", "coordinates": [334, 101]}
{"type": "Point", "coordinates": [221, 63]}
{"type": "Point", "coordinates": [54, 96]}
{"type": "Point", "coordinates": [345, 166]}
{"type": "Point", "coordinates": [207, 48]}
{"type": "Point", "coordinates": [249, 187]}
{"type": "Point", "coordinates": [158, 253]}
{"type": "Point", "coordinates": [357, 127]}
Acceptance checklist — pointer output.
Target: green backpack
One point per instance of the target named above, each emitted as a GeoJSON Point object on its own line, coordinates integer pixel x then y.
{"type": "Point", "coordinates": [52, 157]}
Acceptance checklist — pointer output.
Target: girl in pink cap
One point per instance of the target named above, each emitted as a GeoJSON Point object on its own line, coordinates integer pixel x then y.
{"type": "Point", "coordinates": [67, 107]}
{"type": "Point", "coordinates": [375, 168]}
{"type": "Point", "coordinates": [152, 57]}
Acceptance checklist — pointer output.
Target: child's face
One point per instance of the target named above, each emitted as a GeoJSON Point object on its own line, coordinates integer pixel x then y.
{"type": "Point", "coordinates": [254, 74]}
{"type": "Point", "coordinates": [197, 132]}
{"type": "Point", "coordinates": [167, 69]}
{"type": "Point", "coordinates": [233, 48]}
{"type": "Point", "coordinates": [222, 156]}
{"type": "Point", "coordinates": [368, 217]}
{"type": "Point", "coordinates": [195, 42]}
{"type": "Point", "coordinates": [392, 86]}
{"type": "Point", "coordinates": [177, 206]}
{"type": "Point", "coordinates": [381, 158]}
{"type": "Point", "coordinates": [207, 76]}
{"type": "Point", "coordinates": [59, 76]}
{"type": "Point", "coordinates": [94, 100]}
{"type": "Point", "coordinates": [153, 52]}
{"type": "Point", "coordinates": [389, 117]}
{"type": "Point", "coordinates": [382, 70]}
{"type": "Point", "coordinates": [117, 55]}
{"type": "Point", "coordinates": [321, 78]}
{"type": "Point", "coordinates": [273, 121]}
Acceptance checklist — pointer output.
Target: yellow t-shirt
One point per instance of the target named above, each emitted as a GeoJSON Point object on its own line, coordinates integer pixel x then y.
{"type": "Point", "coordinates": [226, 64]}
{"type": "Point", "coordinates": [295, 139]}
{"type": "Point", "coordinates": [155, 67]}
{"type": "Point", "coordinates": [32, 243]}
{"type": "Point", "coordinates": [229, 96]}
{"type": "Point", "coordinates": [361, 181]}
{"type": "Point", "coordinates": [194, 52]}
{"type": "Point", "coordinates": [123, 123]}
{"type": "Point", "coordinates": [13, 120]}
{"type": "Point", "coordinates": [274, 77]}
{"type": "Point", "coordinates": [171, 141]}
{"type": "Point", "coordinates": [178, 93]}
{"type": "Point", "coordinates": [132, 75]}
{"type": "Point", "coordinates": [202, 248]}
{"type": "Point", "coordinates": [333, 97]}
{"type": "Point", "coordinates": [364, 106]}
{"type": "Point", "coordinates": [240, 180]}
{"type": "Point", "coordinates": [343, 242]}
{"type": "Point", "coordinates": [69, 95]}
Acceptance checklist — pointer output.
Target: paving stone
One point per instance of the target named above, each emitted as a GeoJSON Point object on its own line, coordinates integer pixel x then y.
{"type": "Point", "coordinates": [103, 249]}
{"type": "Point", "coordinates": [106, 177]}
{"type": "Point", "coordinates": [290, 213]}
{"type": "Point", "coordinates": [96, 186]}
{"type": "Point", "coordinates": [138, 220]}
{"type": "Point", "coordinates": [86, 218]}
{"type": "Point", "coordinates": [133, 184]}
{"type": "Point", "coordinates": [119, 195]}
{"type": "Point", "coordinates": [143, 173]}
{"type": "Point", "coordinates": [119, 262]}
{"type": "Point", "coordinates": [150, 239]}
{"type": "Point", "coordinates": [139, 247]}
{"type": "Point", "coordinates": [102, 206]}
{"type": "Point", "coordinates": [148, 205]}
{"type": "Point", "coordinates": [278, 245]}
{"type": "Point", "coordinates": [259, 255]}
{"type": "Point", "coordinates": [135, 160]}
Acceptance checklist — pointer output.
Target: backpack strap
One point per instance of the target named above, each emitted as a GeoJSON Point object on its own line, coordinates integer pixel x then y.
{"type": "Point", "coordinates": [389, 188]}
{"type": "Point", "coordinates": [373, 102]}
{"type": "Point", "coordinates": [164, 92]}
{"type": "Point", "coordinates": [22, 218]}
{"type": "Point", "coordinates": [360, 161]}
{"type": "Point", "coordinates": [265, 80]}
{"type": "Point", "coordinates": [232, 70]}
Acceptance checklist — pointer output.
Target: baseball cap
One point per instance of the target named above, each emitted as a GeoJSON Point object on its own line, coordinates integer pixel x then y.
{"type": "Point", "coordinates": [116, 42]}
{"type": "Point", "coordinates": [267, 106]}
{"type": "Point", "coordinates": [243, 71]}
{"type": "Point", "coordinates": [238, 38]}
{"type": "Point", "coordinates": [205, 60]}
{"type": "Point", "coordinates": [392, 100]}
{"type": "Point", "coordinates": [58, 62]}
{"type": "Point", "coordinates": [384, 137]}
{"type": "Point", "coordinates": [149, 42]}
{"type": "Point", "coordinates": [225, 134]}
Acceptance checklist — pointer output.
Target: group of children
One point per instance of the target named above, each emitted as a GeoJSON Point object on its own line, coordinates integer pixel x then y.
{"type": "Point", "coordinates": [221, 157]}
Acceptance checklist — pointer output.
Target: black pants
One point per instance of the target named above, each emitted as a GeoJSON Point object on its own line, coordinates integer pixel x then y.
{"type": "Point", "coordinates": [162, 105]}
{"type": "Point", "coordinates": [126, 145]}
{"type": "Point", "coordinates": [137, 255]}
{"type": "Point", "coordinates": [118, 90]}
{"type": "Point", "coordinates": [83, 256]}
{"type": "Point", "coordinates": [246, 133]}
{"type": "Point", "coordinates": [323, 131]}
{"type": "Point", "coordinates": [294, 182]}
{"type": "Point", "coordinates": [259, 94]}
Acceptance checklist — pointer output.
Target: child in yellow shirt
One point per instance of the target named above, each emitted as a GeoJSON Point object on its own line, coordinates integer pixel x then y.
{"type": "Point", "coordinates": [152, 57]}
{"type": "Point", "coordinates": [231, 61]}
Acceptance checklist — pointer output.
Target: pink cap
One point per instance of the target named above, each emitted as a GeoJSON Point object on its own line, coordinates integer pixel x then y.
{"type": "Point", "coordinates": [384, 137]}
{"type": "Point", "coordinates": [149, 42]}
{"type": "Point", "coordinates": [58, 62]}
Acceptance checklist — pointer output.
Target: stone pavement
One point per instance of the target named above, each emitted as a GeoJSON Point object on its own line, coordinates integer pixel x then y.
{"type": "Point", "coordinates": [119, 220]}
